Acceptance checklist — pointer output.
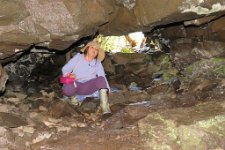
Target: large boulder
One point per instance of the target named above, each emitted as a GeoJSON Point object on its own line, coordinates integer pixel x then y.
{"type": "Point", "coordinates": [200, 127]}
{"type": "Point", "coordinates": [24, 23]}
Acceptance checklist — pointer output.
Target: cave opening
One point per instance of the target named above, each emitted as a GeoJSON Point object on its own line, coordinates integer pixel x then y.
{"type": "Point", "coordinates": [167, 82]}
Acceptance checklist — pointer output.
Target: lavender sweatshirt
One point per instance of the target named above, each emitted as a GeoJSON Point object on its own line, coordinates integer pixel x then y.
{"type": "Point", "coordinates": [83, 69]}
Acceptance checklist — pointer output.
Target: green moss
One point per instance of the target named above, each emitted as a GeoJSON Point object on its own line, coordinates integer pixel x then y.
{"type": "Point", "coordinates": [127, 50]}
{"type": "Point", "coordinates": [218, 60]}
{"type": "Point", "coordinates": [165, 61]}
{"type": "Point", "coordinates": [213, 66]}
{"type": "Point", "coordinates": [200, 127]}
{"type": "Point", "coordinates": [169, 74]}
{"type": "Point", "coordinates": [219, 71]}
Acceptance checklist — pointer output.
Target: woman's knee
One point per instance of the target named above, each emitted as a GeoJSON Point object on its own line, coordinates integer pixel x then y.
{"type": "Point", "coordinates": [101, 78]}
{"type": "Point", "coordinates": [68, 90]}
{"type": "Point", "coordinates": [101, 82]}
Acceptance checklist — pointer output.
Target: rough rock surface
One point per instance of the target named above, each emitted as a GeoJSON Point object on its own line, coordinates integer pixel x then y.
{"type": "Point", "coordinates": [63, 22]}
{"type": "Point", "coordinates": [3, 78]}
{"type": "Point", "coordinates": [200, 127]}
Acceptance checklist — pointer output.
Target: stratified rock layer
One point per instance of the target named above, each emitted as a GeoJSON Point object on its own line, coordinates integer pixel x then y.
{"type": "Point", "coordinates": [58, 24]}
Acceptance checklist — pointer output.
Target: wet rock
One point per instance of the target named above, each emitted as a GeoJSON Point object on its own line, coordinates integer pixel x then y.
{"type": "Point", "coordinates": [11, 120]}
{"type": "Point", "coordinates": [201, 126]}
{"type": "Point", "coordinates": [61, 109]}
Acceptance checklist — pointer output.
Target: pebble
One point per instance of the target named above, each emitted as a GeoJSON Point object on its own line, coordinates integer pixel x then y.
{"type": "Point", "coordinates": [41, 137]}
{"type": "Point", "coordinates": [63, 129]}
{"type": "Point", "coordinates": [81, 125]}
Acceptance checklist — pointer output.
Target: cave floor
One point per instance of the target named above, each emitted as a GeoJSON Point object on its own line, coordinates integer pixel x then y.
{"type": "Point", "coordinates": [45, 121]}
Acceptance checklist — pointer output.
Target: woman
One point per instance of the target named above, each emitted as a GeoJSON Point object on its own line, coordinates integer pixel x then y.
{"type": "Point", "coordinates": [90, 77]}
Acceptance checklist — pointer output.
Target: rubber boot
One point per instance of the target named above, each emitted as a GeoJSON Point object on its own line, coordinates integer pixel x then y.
{"type": "Point", "coordinates": [104, 101]}
{"type": "Point", "coordinates": [74, 101]}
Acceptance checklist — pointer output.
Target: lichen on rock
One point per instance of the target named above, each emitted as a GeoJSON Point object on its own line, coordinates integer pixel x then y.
{"type": "Point", "coordinates": [199, 127]}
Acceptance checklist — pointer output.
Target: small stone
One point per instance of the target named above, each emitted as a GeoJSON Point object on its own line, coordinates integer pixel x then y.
{"type": "Point", "coordinates": [74, 125]}
{"type": "Point", "coordinates": [52, 122]}
{"type": "Point", "coordinates": [41, 137]}
{"type": "Point", "coordinates": [49, 95]}
{"type": "Point", "coordinates": [28, 129]}
{"type": "Point", "coordinates": [63, 129]}
{"type": "Point", "coordinates": [81, 125]}
{"type": "Point", "coordinates": [49, 124]}
{"type": "Point", "coordinates": [5, 108]}
{"type": "Point", "coordinates": [21, 96]}
{"type": "Point", "coordinates": [18, 131]}
{"type": "Point", "coordinates": [42, 108]}
{"type": "Point", "coordinates": [2, 131]}
{"type": "Point", "coordinates": [118, 137]}
{"type": "Point", "coordinates": [24, 107]}
{"type": "Point", "coordinates": [33, 114]}
{"type": "Point", "coordinates": [117, 124]}
{"type": "Point", "coordinates": [13, 100]}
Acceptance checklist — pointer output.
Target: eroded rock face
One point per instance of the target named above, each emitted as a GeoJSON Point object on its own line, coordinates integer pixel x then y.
{"type": "Point", "coordinates": [58, 24]}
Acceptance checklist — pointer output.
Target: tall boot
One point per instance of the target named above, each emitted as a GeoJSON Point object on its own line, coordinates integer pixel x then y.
{"type": "Point", "coordinates": [104, 103]}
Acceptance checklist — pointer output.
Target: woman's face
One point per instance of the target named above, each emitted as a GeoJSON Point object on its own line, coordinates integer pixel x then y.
{"type": "Point", "coordinates": [92, 52]}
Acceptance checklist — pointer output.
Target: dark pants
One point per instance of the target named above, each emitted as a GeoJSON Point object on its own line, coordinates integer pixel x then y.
{"type": "Point", "coordinates": [85, 88]}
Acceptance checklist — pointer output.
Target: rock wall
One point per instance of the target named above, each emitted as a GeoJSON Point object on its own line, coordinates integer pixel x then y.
{"type": "Point", "coordinates": [58, 24]}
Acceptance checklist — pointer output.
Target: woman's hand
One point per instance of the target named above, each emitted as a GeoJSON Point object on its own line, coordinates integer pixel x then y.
{"type": "Point", "coordinates": [70, 75]}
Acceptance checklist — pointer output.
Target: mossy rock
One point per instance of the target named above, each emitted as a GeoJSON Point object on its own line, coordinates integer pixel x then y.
{"type": "Point", "coordinates": [169, 74]}
{"type": "Point", "coordinates": [207, 67]}
{"type": "Point", "coordinates": [199, 127]}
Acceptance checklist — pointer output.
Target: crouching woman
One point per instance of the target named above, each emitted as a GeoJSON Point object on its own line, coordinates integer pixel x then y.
{"type": "Point", "coordinates": [87, 69]}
